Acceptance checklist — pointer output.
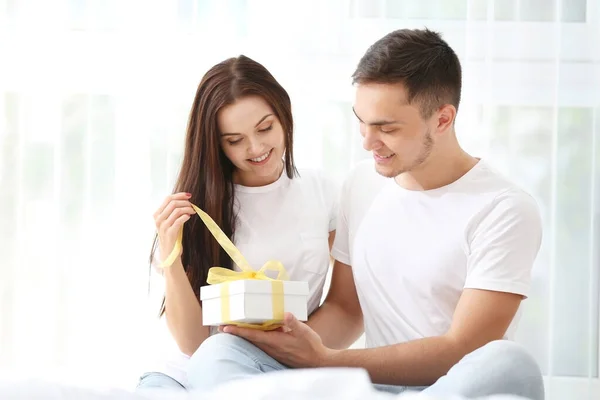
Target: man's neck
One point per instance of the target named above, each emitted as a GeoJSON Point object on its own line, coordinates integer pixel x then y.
{"type": "Point", "coordinates": [438, 171]}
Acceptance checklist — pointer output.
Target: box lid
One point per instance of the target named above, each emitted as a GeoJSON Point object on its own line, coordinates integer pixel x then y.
{"type": "Point", "coordinates": [256, 286]}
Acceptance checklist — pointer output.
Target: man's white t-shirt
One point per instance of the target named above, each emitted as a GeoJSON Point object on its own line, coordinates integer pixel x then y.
{"type": "Point", "coordinates": [413, 252]}
{"type": "Point", "coordinates": [289, 221]}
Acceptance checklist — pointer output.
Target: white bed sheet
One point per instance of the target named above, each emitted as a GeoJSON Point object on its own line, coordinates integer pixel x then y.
{"type": "Point", "coordinates": [330, 384]}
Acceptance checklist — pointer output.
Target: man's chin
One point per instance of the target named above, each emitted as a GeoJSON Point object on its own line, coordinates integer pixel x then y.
{"type": "Point", "coordinates": [385, 171]}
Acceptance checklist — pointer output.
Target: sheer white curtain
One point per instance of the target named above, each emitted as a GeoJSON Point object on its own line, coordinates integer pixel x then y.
{"type": "Point", "coordinates": [94, 98]}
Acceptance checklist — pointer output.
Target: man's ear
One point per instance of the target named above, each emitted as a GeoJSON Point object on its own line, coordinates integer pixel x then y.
{"type": "Point", "coordinates": [445, 117]}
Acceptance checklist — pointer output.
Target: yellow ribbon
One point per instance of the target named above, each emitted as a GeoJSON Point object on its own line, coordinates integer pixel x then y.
{"type": "Point", "coordinates": [224, 276]}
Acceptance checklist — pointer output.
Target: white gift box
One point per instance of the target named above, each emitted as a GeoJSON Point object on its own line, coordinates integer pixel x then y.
{"type": "Point", "coordinates": [251, 301]}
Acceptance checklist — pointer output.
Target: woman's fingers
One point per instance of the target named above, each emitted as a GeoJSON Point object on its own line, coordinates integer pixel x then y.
{"type": "Point", "coordinates": [175, 214]}
{"type": "Point", "coordinates": [169, 199]}
{"type": "Point", "coordinates": [171, 207]}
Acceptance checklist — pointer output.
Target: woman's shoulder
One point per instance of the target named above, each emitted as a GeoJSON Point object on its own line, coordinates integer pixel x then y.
{"type": "Point", "coordinates": [315, 176]}
{"type": "Point", "coordinates": [317, 183]}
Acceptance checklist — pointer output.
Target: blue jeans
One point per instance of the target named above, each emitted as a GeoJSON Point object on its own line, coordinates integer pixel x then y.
{"type": "Point", "coordinates": [158, 380]}
{"type": "Point", "coordinates": [500, 367]}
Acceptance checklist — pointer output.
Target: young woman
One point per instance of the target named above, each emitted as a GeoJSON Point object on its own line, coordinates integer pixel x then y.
{"type": "Point", "coordinates": [238, 167]}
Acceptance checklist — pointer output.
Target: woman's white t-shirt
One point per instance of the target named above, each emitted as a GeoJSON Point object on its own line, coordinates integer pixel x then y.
{"type": "Point", "coordinates": [288, 220]}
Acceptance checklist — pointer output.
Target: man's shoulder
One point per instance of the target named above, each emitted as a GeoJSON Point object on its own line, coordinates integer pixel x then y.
{"type": "Point", "coordinates": [507, 199]}
{"type": "Point", "coordinates": [516, 202]}
{"type": "Point", "coordinates": [506, 191]}
{"type": "Point", "coordinates": [363, 176]}
{"type": "Point", "coordinates": [361, 187]}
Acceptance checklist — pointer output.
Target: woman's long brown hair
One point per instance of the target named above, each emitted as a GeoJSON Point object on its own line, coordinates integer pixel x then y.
{"type": "Point", "coordinates": [207, 173]}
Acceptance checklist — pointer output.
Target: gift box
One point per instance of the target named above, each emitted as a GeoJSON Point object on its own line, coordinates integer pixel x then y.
{"type": "Point", "coordinates": [246, 298]}
{"type": "Point", "coordinates": [253, 301]}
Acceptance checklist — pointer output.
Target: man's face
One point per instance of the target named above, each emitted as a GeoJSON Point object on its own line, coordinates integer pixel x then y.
{"type": "Point", "coordinates": [393, 130]}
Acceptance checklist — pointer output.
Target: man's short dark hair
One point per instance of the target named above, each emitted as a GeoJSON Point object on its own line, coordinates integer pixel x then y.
{"type": "Point", "coordinates": [419, 59]}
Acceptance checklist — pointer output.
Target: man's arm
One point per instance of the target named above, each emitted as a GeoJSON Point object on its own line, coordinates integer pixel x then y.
{"type": "Point", "coordinates": [339, 320]}
{"type": "Point", "coordinates": [481, 316]}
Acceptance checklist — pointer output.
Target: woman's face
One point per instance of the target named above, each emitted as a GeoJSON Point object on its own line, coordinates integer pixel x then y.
{"type": "Point", "coordinates": [253, 139]}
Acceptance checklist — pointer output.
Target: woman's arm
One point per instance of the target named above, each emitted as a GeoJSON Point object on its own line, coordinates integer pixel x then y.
{"type": "Point", "coordinates": [183, 310]}
{"type": "Point", "coordinates": [182, 307]}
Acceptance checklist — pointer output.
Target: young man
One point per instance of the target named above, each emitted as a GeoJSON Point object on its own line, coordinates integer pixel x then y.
{"type": "Point", "coordinates": [433, 250]}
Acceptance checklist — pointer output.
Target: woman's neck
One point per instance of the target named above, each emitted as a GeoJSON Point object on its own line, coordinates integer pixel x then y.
{"type": "Point", "coordinates": [255, 180]}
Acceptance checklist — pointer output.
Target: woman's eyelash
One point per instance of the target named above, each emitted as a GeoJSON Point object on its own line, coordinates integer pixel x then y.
{"type": "Point", "coordinates": [268, 128]}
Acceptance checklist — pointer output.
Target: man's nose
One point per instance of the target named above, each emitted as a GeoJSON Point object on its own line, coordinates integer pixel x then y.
{"type": "Point", "coordinates": [371, 139]}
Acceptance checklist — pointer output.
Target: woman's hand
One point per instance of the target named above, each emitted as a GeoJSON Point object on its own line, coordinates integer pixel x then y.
{"type": "Point", "coordinates": [169, 219]}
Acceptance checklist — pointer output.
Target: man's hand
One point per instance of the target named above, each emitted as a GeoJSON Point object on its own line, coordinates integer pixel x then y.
{"type": "Point", "coordinates": [295, 344]}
